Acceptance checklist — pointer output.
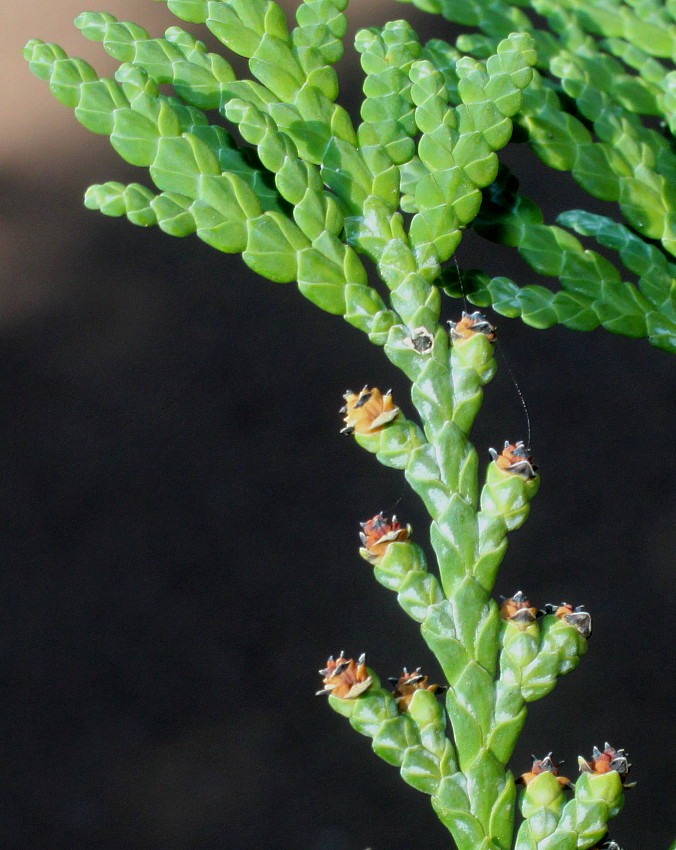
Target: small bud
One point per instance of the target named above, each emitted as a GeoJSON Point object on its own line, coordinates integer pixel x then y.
{"type": "Point", "coordinates": [576, 617]}
{"type": "Point", "coordinates": [471, 324]}
{"type": "Point", "coordinates": [420, 341]}
{"type": "Point", "coordinates": [367, 411]}
{"type": "Point", "coordinates": [545, 765]}
{"type": "Point", "coordinates": [514, 458]}
{"type": "Point", "coordinates": [408, 683]}
{"type": "Point", "coordinates": [378, 532]}
{"type": "Point", "coordinates": [344, 678]}
{"type": "Point", "coordinates": [605, 762]}
{"type": "Point", "coordinates": [517, 609]}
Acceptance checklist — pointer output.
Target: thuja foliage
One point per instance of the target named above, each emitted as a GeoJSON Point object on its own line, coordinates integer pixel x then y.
{"type": "Point", "coordinates": [602, 105]}
{"type": "Point", "coordinates": [307, 192]}
{"type": "Point", "coordinates": [306, 196]}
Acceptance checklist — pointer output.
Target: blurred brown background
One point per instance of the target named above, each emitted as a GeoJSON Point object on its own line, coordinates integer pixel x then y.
{"type": "Point", "coordinates": [179, 519]}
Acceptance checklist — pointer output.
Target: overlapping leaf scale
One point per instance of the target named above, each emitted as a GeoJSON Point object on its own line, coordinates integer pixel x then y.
{"type": "Point", "coordinates": [198, 77]}
{"type": "Point", "coordinates": [403, 569]}
{"type": "Point", "coordinates": [455, 461]}
{"type": "Point", "coordinates": [599, 167]}
{"type": "Point", "coordinates": [315, 212]}
{"type": "Point", "coordinates": [379, 231]}
{"type": "Point", "coordinates": [386, 141]}
{"type": "Point", "coordinates": [429, 374]}
{"type": "Point", "coordinates": [396, 444]}
{"type": "Point", "coordinates": [580, 824]}
{"type": "Point", "coordinates": [593, 290]}
{"type": "Point", "coordinates": [609, 76]}
{"type": "Point", "coordinates": [532, 658]}
{"type": "Point", "coordinates": [650, 69]}
{"type": "Point", "coordinates": [201, 80]}
{"type": "Point", "coordinates": [457, 146]}
{"type": "Point", "coordinates": [560, 650]}
{"type": "Point", "coordinates": [317, 42]}
{"type": "Point", "coordinates": [171, 212]}
{"type": "Point", "coordinates": [452, 632]}
{"type": "Point", "coordinates": [414, 741]}
{"type": "Point", "coordinates": [364, 179]}
{"type": "Point", "coordinates": [442, 185]}
{"type": "Point", "coordinates": [487, 790]}
{"type": "Point", "coordinates": [504, 506]}
{"type": "Point", "coordinates": [321, 29]}
{"type": "Point", "coordinates": [472, 367]}
{"type": "Point", "coordinates": [541, 806]}
{"type": "Point", "coordinates": [321, 130]}
{"type": "Point", "coordinates": [151, 130]}
{"type": "Point", "coordinates": [542, 308]}
{"type": "Point", "coordinates": [669, 100]}
{"type": "Point", "coordinates": [642, 160]}
{"type": "Point", "coordinates": [460, 631]}
{"type": "Point", "coordinates": [495, 17]}
{"type": "Point", "coordinates": [443, 58]}
{"type": "Point", "coordinates": [631, 163]}
{"type": "Point", "coordinates": [656, 275]}
{"type": "Point", "coordinates": [463, 632]}
{"type": "Point", "coordinates": [387, 110]}
{"type": "Point", "coordinates": [643, 94]}
{"type": "Point", "coordinates": [647, 27]}
{"type": "Point", "coordinates": [364, 308]}
{"type": "Point", "coordinates": [449, 628]}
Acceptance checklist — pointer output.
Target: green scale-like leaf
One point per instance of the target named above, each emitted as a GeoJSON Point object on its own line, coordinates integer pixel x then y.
{"type": "Point", "coordinates": [300, 102]}
{"type": "Point", "coordinates": [414, 741]}
{"type": "Point", "coordinates": [387, 109]}
{"type": "Point", "coordinates": [541, 805]}
{"type": "Point", "coordinates": [532, 658]}
{"type": "Point", "coordinates": [628, 163]}
{"type": "Point", "coordinates": [199, 78]}
{"type": "Point", "coordinates": [650, 69]}
{"type": "Point", "coordinates": [496, 17]}
{"type": "Point", "coordinates": [318, 38]}
{"type": "Point", "coordinates": [457, 145]}
{"type": "Point", "coordinates": [645, 195]}
{"type": "Point", "coordinates": [608, 76]}
{"type": "Point", "coordinates": [584, 820]}
{"type": "Point", "coordinates": [657, 277]}
{"type": "Point", "coordinates": [652, 30]}
{"type": "Point", "coordinates": [322, 266]}
{"type": "Point", "coordinates": [152, 130]}
{"type": "Point", "coordinates": [594, 293]}
{"type": "Point", "coordinates": [403, 569]}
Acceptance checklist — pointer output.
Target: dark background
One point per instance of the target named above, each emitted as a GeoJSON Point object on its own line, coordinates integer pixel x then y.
{"type": "Point", "coordinates": [179, 521]}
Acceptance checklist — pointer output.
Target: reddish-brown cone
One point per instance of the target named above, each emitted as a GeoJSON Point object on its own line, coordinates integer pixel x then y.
{"type": "Point", "coordinates": [604, 762]}
{"type": "Point", "coordinates": [408, 683]}
{"type": "Point", "coordinates": [576, 617]}
{"type": "Point", "coordinates": [545, 765]}
{"type": "Point", "coordinates": [516, 459]}
{"type": "Point", "coordinates": [471, 324]}
{"type": "Point", "coordinates": [345, 678]}
{"type": "Point", "coordinates": [367, 411]}
{"type": "Point", "coordinates": [378, 532]}
{"type": "Point", "coordinates": [517, 609]}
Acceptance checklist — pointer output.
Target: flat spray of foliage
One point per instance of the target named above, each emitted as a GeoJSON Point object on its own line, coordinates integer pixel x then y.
{"type": "Point", "coordinates": [305, 196]}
